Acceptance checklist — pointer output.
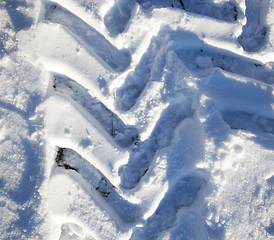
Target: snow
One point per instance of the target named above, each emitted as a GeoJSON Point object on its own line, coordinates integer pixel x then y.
{"type": "Point", "coordinates": [136, 119]}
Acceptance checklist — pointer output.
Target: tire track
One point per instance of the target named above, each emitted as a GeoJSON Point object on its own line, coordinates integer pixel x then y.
{"type": "Point", "coordinates": [246, 121]}
{"type": "Point", "coordinates": [148, 69]}
{"type": "Point", "coordinates": [142, 155]}
{"type": "Point", "coordinates": [118, 16]}
{"type": "Point", "coordinates": [181, 195]}
{"type": "Point", "coordinates": [255, 31]}
{"type": "Point", "coordinates": [71, 160]}
{"type": "Point", "coordinates": [93, 40]}
{"type": "Point", "coordinates": [166, 61]}
{"type": "Point", "coordinates": [205, 59]}
{"type": "Point", "coordinates": [124, 135]}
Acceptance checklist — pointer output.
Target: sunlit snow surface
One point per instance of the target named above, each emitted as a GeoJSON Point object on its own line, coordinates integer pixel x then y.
{"type": "Point", "coordinates": [137, 119]}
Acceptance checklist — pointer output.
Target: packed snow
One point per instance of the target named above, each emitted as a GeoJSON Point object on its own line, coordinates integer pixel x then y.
{"type": "Point", "coordinates": [137, 119]}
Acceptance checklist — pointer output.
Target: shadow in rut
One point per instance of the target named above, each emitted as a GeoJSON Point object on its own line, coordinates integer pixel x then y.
{"type": "Point", "coordinates": [18, 19]}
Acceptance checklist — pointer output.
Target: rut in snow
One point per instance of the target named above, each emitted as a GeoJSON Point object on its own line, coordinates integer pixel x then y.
{"type": "Point", "coordinates": [230, 62]}
{"type": "Point", "coordinates": [182, 194]}
{"type": "Point", "coordinates": [246, 121]}
{"type": "Point", "coordinates": [124, 135]}
{"type": "Point", "coordinates": [118, 16]}
{"type": "Point", "coordinates": [255, 31]}
{"type": "Point", "coordinates": [93, 40]}
{"type": "Point", "coordinates": [142, 154]}
{"type": "Point", "coordinates": [148, 69]}
{"type": "Point", "coordinates": [71, 160]}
